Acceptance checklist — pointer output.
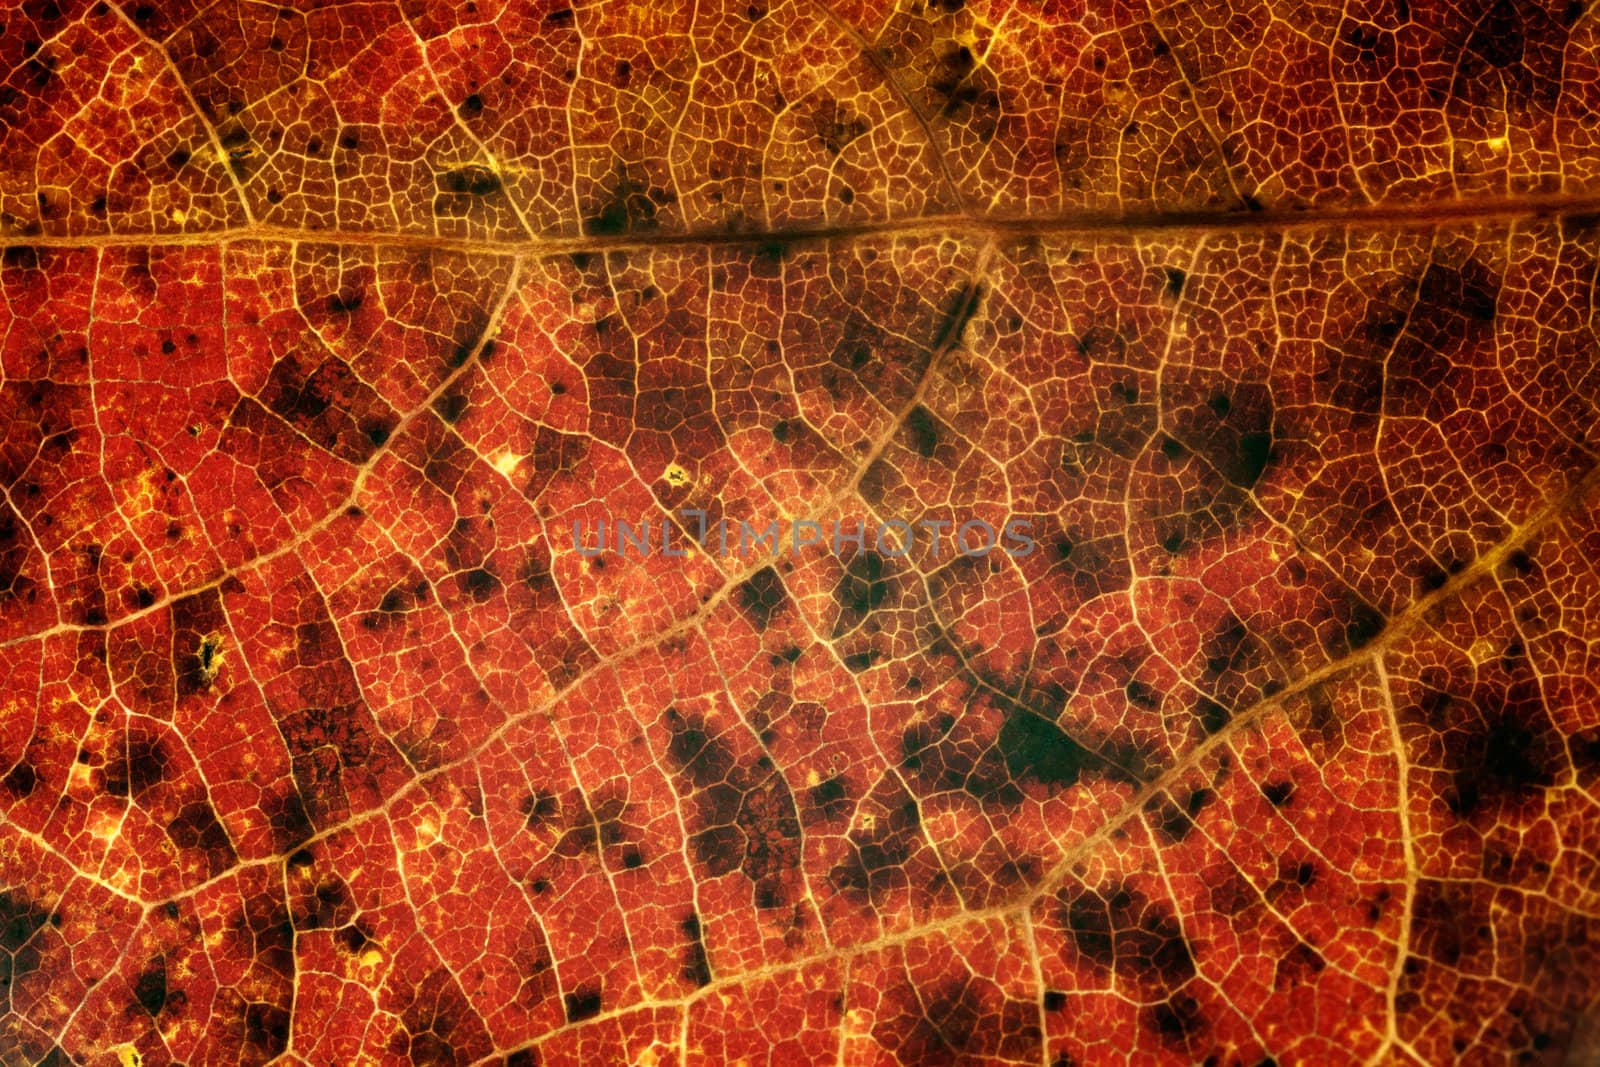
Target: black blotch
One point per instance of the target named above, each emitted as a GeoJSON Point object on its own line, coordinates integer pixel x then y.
{"type": "Point", "coordinates": [1141, 694]}
{"type": "Point", "coordinates": [923, 430]}
{"type": "Point", "coordinates": [150, 988]}
{"type": "Point", "coordinates": [1296, 965]}
{"type": "Point", "coordinates": [1121, 930]}
{"type": "Point", "coordinates": [1211, 715]}
{"type": "Point", "coordinates": [266, 932]}
{"type": "Point", "coordinates": [1363, 623]}
{"type": "Point", "coordinates": [1233, 431]}
{"type": "Point", "coordinates": [696, 968]}
{"type": "Point", "coordinates": [1370, 49]}
{"type": "Point", "coordinates": [1054, 1000]}
{"type": "Point", "coordinates": [472, 106]}
{"type": "Point", "coordinates": [1453, 310]}
{"type": "Point", "coordinates": [289, 821]}
{"type": "Point", "coordinates": [1278, 793]}
{"type": "Point", "coordinates": [266, 1029]}
{"type": "Point", "coordinates": [630, 206]}
{"type": "Point", "coordinates": [744, 815]}
{"type": "Point", "coordinates": [353, 937]}
{"type": "Point", "coordinates": [450, 407]}
{"type": "Point", "coordinates": [196, 828]}
{"type": "Point", "coordinates": [862, 589]}
{"type": "Point", "coordinates": [21, 780]}
{"type": "Point", "coordinates": [831, 798]}
{"type": "Point", "coordinates": [138, 771]}
{"type": "Point", "coordinates": [471, 180]}
{"type": "Point", "coordinates": [560, 17]}
{"type": "Point", "coordinates": [20, 257]}
{"type": "Point", "coordinates": [969, 94]}
{"type": "Point", "coordinates": [20, 919]}
{"type": "Point", "coordinates": [960, 1022]}
{"type": "Point", "coordinates": [703, 760]}
{"type": "Point", "coordinates": [835, 126]}
{"type": "Point", "coordinates": [857, 662]}
{"type": "Point", "coordinates": [1034, 747]}
{"type": "Point", "coordinates": [879, 856]}
{"type": "Point", "coordinates": [1505, 759]}
{"type": "Point", "coordinates": [761, 597]}
{"type": "Point", "coordinates": [1172, 821]}
{"type": "Point", "coordinates": [479, 583]}
{"type": "Point", "coordinates": [583, 1004]}
{"type": "Point", "coordinates": [1233, 657]}
{"type": "Point", "coordinates": [1093, 566]}
{"type": "Point", "coordinates": [539, 807]}
{"type": "Point", "coordinates": [1176, 1020]}
{"type": "Point", "coordinates": [1173, 284]}
{"type": "Point", "coordinates": [1513, 56]}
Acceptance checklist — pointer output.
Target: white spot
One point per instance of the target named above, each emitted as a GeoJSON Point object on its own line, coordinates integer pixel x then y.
{"type": "Point", "coordinates": [506, 462]}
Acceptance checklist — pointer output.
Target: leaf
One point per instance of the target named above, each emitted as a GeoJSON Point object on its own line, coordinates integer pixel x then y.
{"type": "Point", "coordinates": [332, 337]}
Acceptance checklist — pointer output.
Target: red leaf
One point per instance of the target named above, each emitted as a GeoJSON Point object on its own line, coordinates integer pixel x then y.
{"type": "Point", "coordinates": [1229, 370]}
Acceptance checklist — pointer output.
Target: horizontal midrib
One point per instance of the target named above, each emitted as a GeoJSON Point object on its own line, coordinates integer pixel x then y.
{"type": "Point", "coordinates": [1379, 216]}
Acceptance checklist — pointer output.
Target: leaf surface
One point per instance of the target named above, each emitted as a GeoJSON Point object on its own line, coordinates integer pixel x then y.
{"type": "Point", "coordinates": [325, 332]}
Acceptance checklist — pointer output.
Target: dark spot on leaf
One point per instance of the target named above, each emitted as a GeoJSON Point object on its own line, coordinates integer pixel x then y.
{"type": "Point", "coordinates": [1176, 1020]}
{"type": "Point", "coordinates": [470, 180]}
{"type": "Point", "coordinates": [1363, 623]}
{"type": "Point", "coordinates": [450, 406]}
{"type": "Point", "coordinates": [20, 257]}
{"type": "Point", "coordinates": [696, 968]}
{"type": "Point", "coordinates": [831, 799]}
{"type": "Point", "coordinates": [1120, 930]}
{"type": "Point", "coordinates": [150, 989]}
{"type": "Point", "coordinates": [1278, 793]}
{"type": "Point", "coordinates": [196, 828]}
{"type": "Point", "coordinates": [479, 583]}
{"type": "Point", "coordinates": [629, 207]}
{"type": "Point", "coordinates": [1034, 747]}
{"type": "Point", "coordinates": [139, 770]}
{"type": "Point", "coordinates": [761, 597]}
{"type": "Point", "coordinates": [583, 1004]}
{"type": "Point", "coordinates": [923, 430]}
{"type": "Point", "coordinates": [861, 590]}
{"type": "Point", "coordinates": [266, 1029]}
{"type": "Point", "coordinates": [20, 780]}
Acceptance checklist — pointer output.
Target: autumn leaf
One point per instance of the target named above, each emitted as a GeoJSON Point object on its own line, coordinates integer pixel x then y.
{"type": "Point", "coordinates": [1268, 733]}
